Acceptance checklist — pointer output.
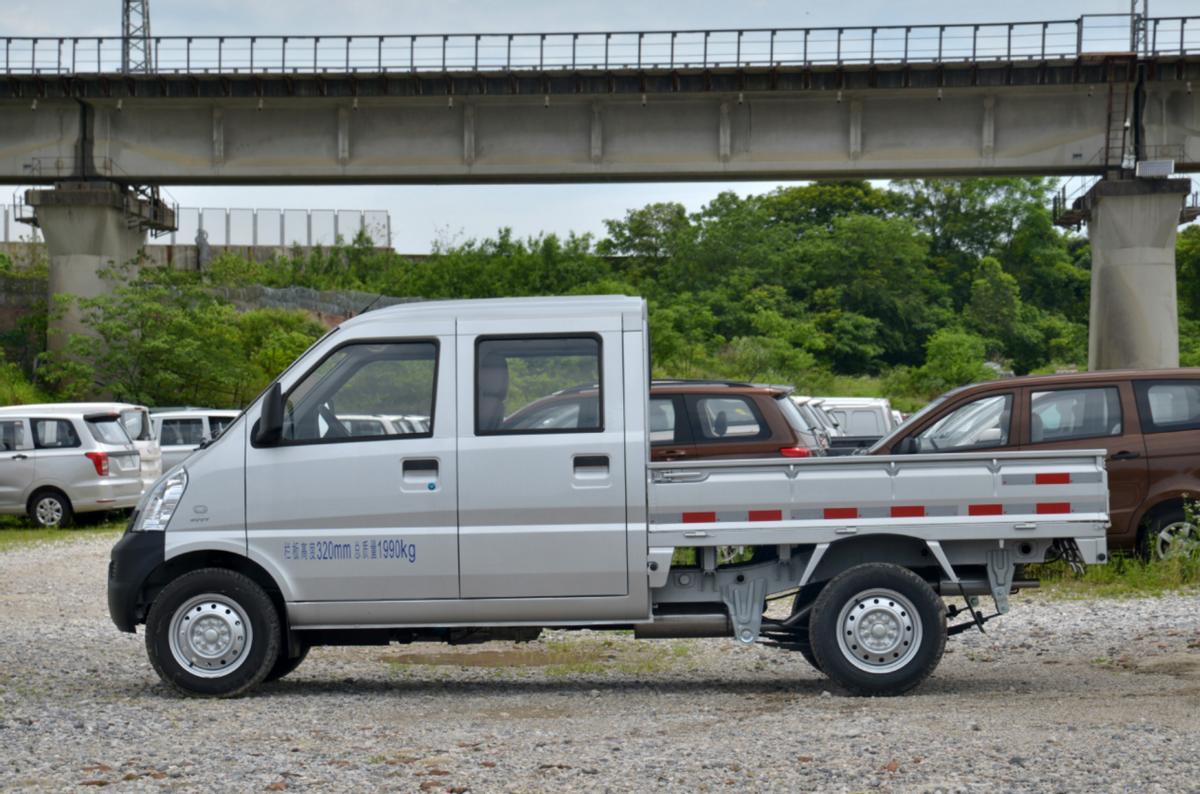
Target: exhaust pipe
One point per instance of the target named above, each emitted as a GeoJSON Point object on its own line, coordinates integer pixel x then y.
{"type": "Point", "coordinates": [684, 626]}
{"type": "Point", "coordinates": [981, 587]}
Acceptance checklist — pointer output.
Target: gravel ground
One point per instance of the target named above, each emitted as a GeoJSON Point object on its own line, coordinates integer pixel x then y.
{"type": "Point", "coordinates": [1096, 696]}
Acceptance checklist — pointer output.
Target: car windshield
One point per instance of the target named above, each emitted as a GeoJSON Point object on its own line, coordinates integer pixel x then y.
{"type": "Point", "coordinates": [900, 431]}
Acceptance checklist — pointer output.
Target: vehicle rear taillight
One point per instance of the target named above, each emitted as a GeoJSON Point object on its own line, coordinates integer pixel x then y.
{"type": "Point", "coordinates": [796, 452]}
{"type": "Point", "coordinates": [100, 461]}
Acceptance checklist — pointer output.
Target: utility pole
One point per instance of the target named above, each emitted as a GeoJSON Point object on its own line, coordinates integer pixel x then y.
{"type": "Point", "coordinates": [137, 56]}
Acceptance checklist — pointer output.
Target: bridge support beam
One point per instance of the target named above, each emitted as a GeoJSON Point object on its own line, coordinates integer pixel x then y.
{"type": "Point", "coordinates": [1134, 315]}
{"type": "Point", "coordinates": [88, 226]}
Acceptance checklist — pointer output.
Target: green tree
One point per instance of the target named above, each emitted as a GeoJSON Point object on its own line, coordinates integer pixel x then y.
{"type": "Point", "coordinates": [819, 204]}
{"type": "Point", "coordinates": [168, 344]}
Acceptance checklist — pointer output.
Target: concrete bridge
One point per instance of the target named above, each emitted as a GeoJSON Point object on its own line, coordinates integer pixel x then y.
{"type": "Point", "coordinates": [1069, 97]}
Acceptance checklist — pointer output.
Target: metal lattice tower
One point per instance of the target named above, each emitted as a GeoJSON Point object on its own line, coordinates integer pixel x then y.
{"type": "Point", "coordinates": [137, 56]}
{"type": "Point", "coordinates": [1138, 42]}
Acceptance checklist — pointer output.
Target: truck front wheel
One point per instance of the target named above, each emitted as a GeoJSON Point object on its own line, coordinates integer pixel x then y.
{"type": "Point", "coordinates": [212, 632]}
{"type": "Point", "coordinates": [878, 629]}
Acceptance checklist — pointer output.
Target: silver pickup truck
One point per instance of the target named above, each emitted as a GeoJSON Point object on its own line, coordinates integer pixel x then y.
{"type": "Point", "coordinates": [527, 501]}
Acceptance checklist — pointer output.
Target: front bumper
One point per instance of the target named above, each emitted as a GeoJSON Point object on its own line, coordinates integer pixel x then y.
{"type": "Point", "coordinates": [133, 559]}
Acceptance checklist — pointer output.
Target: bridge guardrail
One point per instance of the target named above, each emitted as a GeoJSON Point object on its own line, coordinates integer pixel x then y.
{"type": "Point", "coordinates": [685, 49]}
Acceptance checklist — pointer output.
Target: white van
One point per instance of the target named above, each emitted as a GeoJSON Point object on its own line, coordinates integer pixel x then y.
{"type": "Point", "coordinates": [134, 418]}
{"type": "Point", "coordinates": [181, 432]}
{"type": "Point", "coordinates": [55, 464]}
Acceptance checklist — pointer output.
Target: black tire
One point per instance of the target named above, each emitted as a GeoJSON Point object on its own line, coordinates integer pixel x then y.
{"type": "Point", "coordinates": [811, 659]}
{"type": "Point", "coordinates": [230, 648]}
{"type": "Point", "coordinates": [801, 636]}
{"type": "Point", "coordinates": [284, 665]}
{"type": "Point", "coordinates": [1168, 529]}
{"type": "Point", "coordinates": [907, 634]}
{"type": "Point", "coordinates": [49, 509]}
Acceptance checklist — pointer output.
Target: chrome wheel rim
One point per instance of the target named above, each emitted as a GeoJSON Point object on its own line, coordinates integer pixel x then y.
{"type": "Point", "coordinates": [49, 511]}
{"type": "Point", "coordinates": [879, 631]}
{"type": "Point", "coordinates": [210, 635]}
{"type": "Point", "coordinates": [1181, 537]}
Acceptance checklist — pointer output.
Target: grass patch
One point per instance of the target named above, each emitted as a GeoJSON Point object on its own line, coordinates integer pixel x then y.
{"type": "Point", "coordinates": [1122, 577]}
{"type": "Point", "coordinates": [17, 532]}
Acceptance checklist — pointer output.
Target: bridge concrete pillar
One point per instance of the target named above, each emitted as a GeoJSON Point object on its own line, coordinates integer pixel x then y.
{"type": "Point", "coordinates": [1134, 315]}
{"type": "Point", "coordinates": [89, 226]}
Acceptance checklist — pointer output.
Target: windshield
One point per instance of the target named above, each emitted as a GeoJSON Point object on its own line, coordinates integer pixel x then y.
{"type": "Point", "coordinates": [900, 431]}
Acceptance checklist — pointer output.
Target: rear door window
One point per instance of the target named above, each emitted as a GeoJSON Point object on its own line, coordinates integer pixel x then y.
{"type": "Point", "coordinates": [667, 422]}
{"type": "Point", "coordinates": [55, 434]}
{"type": "Point", "coordinates": [1168, 405]}
{"type": "Point", "coordinates": [1069, 414]}
{"type": "Point", "coordinates": [538, 385]}
{"type": "Point", "coordinates": [985, 423]}
{"type": "Point", "coordinates": [12, 435]}
{"type": "Point", "coordinates": [181, 432]}
{"type": "Point", "coordinates": [727, 418]}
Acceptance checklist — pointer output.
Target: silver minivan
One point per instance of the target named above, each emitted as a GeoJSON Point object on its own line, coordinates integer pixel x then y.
{"type": "Point", "coordinates": [134, 418]}
{"type": "Point", "coordinates": [54, 465]}
{"type": "Point", "coordinates": [180, 432]}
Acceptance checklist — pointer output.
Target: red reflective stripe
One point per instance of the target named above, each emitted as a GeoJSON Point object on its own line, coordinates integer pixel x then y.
{"type": "Point", "coordinates": [832, 513]}
{"type": "Point", "coordinates": [1055, 478]}
{"type": "Point", "coordinates": [909, 511]}
{"type": "Point", "coordinates": [699, 518]}
{"type": "Point", "coordinates": [985, 510]}
{"type": "Point", "coordinates": [1054, 507]}
{"type": "Point", "coordinates": [766, 515]}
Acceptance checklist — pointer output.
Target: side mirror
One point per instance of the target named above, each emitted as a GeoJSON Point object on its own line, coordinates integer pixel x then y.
{"type": "Point", "coordinates": [906, 446]}
{"type": "Point", "coordinates": [270, 424]}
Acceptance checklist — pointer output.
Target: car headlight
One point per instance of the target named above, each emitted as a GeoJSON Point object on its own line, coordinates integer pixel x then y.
{"type": "Point", "coordinates": [163, 501]}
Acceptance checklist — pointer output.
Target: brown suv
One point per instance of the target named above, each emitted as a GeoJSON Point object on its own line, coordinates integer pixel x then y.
{"type": "Point", "coordinates": [721, 420]}
{"type": "Point", "coordinates": [1148, 421]}
{"type": "Point", "coordinates": [693, 419]}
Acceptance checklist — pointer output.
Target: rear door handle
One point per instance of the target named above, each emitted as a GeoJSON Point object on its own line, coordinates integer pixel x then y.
{"type": "Point", "coordinates": [591, 462]}
{"type": "Point", "coordinates": [19, 457]}
{"type": "Point", "coordinates": [1126, 455]}
{"type": "Point", "coordinates": [673, 453]}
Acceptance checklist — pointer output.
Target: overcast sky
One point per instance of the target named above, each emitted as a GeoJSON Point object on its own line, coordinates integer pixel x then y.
{"type": "Point", "coordinates": [421, 213]}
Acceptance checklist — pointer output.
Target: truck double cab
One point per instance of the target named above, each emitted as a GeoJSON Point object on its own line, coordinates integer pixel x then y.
{"type": "Point", "coordinates": [287, 532]}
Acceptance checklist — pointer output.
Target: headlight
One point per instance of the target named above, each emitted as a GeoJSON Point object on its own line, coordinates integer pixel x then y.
{"type": "Point", "coordinates": [163, 501]}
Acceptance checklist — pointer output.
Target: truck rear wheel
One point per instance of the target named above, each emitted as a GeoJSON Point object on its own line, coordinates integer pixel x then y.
{"type": "Point", "coordinates": [213, 632]}
{"type": "Point", "coordinates": [878, 629]}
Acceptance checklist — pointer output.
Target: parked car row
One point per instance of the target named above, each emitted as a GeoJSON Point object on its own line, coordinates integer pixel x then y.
{"type": "Point", "coordinates": [61, 460]}
{"type": "Point", "coordinates": [57, 461]}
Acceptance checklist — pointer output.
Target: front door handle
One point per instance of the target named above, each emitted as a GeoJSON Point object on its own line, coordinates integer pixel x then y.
{"type": "Point", "coordinates": [1126, 456]}
{"type": "Point", "coordinates": [19, 457]}
{"type": "Point", "coordinates": [591, 462]}
{"type": "Point", "coordinates": [419, 466]}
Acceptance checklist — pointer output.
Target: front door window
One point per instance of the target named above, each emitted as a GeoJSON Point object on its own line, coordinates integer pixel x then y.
{"type": "Point", "coordinates": [985, 423]}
